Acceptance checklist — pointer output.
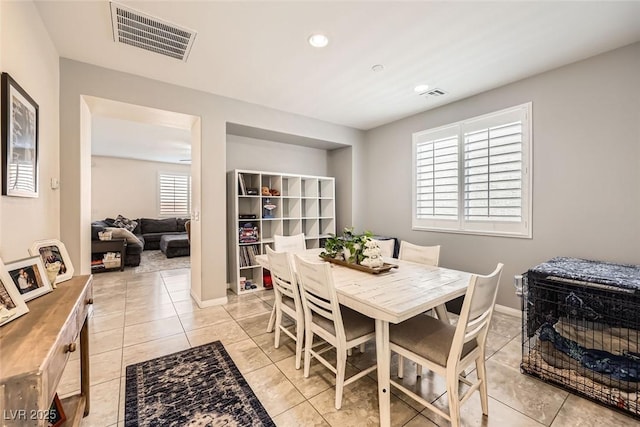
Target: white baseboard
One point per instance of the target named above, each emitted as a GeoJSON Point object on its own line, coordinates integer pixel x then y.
{"type": "Point", "coordinates": [508, 310]}
{"type": "Point", "coordinates": [209, 302]}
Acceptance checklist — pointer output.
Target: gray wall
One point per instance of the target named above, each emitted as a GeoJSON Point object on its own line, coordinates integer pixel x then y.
{"type": "Point", "coordinates": [586, 173]}
{"type": "Point", "coordinates": [113, 191]}
{"type": "Point", "coordinates": [272, 156]}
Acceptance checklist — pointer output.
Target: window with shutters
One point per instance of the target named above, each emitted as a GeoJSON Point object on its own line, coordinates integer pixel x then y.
{"type": "Point", "coordinates": [474, 176]}
{"type": "Point", "coordinates": [174, 195]}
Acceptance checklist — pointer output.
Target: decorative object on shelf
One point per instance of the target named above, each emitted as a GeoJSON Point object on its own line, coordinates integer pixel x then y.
{"type": "Point", "coordinates": [248, 233]}
{"type": "Point", "coordinates": [357, 251]}
{"type": "Point", "coordinates": [12, 305]}
{"type": "Point", "coordinates": [55, 258]}
{"type": "Point", "coordinates": [252, 191]}
{"type": "Point", "coordinates": [242, 189]}
{"type": "Point", "coordinates": [268, 208]}
{"type": "Point", "coordinates": [19, 141]}
{"type": "Point", "coordinates": [29, 276]}
{"type": "Point", "coordinates": [265, 191]}
{"type": "Point", "coordinates": [274, 192]}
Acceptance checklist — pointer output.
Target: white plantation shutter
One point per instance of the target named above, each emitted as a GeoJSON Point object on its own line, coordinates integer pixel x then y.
{"type": "Point", "coordinates": [493, 173]}
{"type": "Point", "coordinates": [174, 195]}
{"type": "Point", "coordinates": [473, 176]}
{"type": "Point", "coordinates": [436, 156]}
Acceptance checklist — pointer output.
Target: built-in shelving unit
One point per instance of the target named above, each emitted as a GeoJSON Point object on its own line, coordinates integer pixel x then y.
{"type": "Point", "coordinates": [303, 204]}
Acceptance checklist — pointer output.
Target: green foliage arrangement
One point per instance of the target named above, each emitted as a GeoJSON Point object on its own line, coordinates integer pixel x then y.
{"type": "Point", "coordinates": [349, 246]}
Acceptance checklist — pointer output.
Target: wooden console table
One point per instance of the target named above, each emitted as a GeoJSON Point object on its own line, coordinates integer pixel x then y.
{"type": "Point", "coordinates": [34, 350]}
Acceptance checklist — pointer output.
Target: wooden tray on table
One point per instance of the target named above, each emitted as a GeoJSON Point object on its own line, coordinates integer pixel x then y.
{"type": "Point", "coordinates": [373, 270]}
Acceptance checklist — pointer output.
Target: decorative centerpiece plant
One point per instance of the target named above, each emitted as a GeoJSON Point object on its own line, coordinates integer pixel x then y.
{"type": "Point", "coordinates": [348, 247]}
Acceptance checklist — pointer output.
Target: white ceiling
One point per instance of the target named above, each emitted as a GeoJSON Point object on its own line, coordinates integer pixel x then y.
{"type": "Point", "coordinates": [135, 140]}
{"type": "Point", "coordinates": [258, 52]}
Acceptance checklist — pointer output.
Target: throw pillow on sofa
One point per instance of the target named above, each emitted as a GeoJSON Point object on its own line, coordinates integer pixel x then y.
{"type": "Point", "coordinates": [125, 223]}
{"type": "Point", "coordinates": [123, 233]}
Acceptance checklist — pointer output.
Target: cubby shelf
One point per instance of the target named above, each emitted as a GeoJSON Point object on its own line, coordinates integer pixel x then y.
{"type": "Point", "coordinates": [305, 204]}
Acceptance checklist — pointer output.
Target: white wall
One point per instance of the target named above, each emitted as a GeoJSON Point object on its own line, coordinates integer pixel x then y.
{"type": "Point", "coordinates": [586, 170]}
{"type": "Point", "coordinates": [28, 55]}
{"type": "Point", "coordinates": [127, 187]}
{"type": "Point", "coordinates": [271, 156]}
{"type": "Point", "coordinates": [79, 79]}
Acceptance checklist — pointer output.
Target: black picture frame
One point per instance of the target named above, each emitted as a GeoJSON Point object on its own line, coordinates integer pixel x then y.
{"type": "Point", "coordinates": [19, 141]}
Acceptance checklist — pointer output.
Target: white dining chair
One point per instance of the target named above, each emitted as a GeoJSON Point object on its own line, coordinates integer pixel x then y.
{"type": "Point", "coordinates": [287, 300]}
{"type": "Point", "coordinates": [386, 247]}
{"type": "Point", "coordinates": [289, 244]}
{"type": "Point", "coordinates": [447, 350]}
{"type": "Point", "coordinates": [341, 327]}
{"type": "Point", "coordinates": [428, 255]}
{"type": "Point", "coordinates": [295, 243]}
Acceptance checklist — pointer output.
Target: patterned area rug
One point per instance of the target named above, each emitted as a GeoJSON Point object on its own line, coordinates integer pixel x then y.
{"type": "Point", "coordinates": [196, 387]}
{"type": "Point", "coordinates": [157, 261]}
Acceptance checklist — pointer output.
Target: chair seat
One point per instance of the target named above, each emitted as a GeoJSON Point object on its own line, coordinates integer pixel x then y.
{"type": "Point", "coordinates": [427, 337]}
{"type": "Point", "coordinates": [289, 302]}
{"type": "Point", "coordinates": [355, 324]}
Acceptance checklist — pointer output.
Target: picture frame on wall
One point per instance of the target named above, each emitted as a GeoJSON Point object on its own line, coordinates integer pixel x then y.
{"type": "Point", "coordinates": [12, 304]}
{"type": "Point", "coordinates": [29, 276]}
{"type": "Point", "coordinates": [55, 259]}
{"type": "Point", "coordinates": [19, 140]}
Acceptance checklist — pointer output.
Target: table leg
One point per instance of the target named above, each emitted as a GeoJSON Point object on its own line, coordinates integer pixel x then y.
{"type": "Point", "coordinates": [383, 355]}
{"type": "Point", "coordinates": [441, 311]}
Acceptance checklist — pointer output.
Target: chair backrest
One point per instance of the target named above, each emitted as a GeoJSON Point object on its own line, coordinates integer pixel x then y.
{"type": "Point", "coordinates": [283, 277]}
{"type": "Point", "coordinates": [318, 293]}
{"type": "Point", "coordinates": [477, 310]}
{"type": "Point", "coordinates": [428, 255]}
{"type": "Point", "coordinates": [386, 247]}
{"type": "Point", "coordinates": [295, 243]}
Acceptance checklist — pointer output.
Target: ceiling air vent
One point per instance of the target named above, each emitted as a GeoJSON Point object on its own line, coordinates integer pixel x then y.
{"type": "Point", "coordinates": [147, 32]}
{"type": "Point", "coordinates": [434, 92]}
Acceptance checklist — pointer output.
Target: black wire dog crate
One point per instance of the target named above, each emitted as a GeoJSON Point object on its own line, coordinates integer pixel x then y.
{"type": "Point", "coordinates": [581, 329]}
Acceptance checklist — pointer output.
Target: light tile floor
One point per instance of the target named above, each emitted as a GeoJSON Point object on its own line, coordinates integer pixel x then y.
{"type": "Point", "coordinates": [137, 317]}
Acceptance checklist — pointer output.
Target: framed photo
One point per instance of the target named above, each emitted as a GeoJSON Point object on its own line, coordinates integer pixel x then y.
{"type": "Point", "coordinates": [28, 275]}
{"type": "Point", "coordinates": [19, 141]}
{"type": "Point", "coordinates": [12, 305]}
{"type": "Point", "coordinates": [56, 413]}
{"type": "Point", "coordinates": [55, 259]}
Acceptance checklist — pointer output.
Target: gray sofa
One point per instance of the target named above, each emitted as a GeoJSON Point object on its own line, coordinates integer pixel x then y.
{"type": "Point", "coordinates": [152, 230]}
{"type": "Point", "coordinates": [149, 231]}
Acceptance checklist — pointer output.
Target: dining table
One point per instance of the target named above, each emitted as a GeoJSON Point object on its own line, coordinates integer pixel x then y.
{"type": "Point", "coordinates": [393, 296]}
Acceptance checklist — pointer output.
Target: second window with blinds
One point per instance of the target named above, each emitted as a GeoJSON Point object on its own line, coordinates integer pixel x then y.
{"type": "Point", "coordinates": [474, 176]}
{"type": "Point", "coordinates": [174, 195]}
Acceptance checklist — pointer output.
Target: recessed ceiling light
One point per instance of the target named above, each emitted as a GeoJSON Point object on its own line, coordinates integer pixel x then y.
{"type": "Point", "coordinates": [318, 40]}
{"type": "Point", "coordinates": [421, 88]}
{"type": "Point", "coordinates": [377, 68]}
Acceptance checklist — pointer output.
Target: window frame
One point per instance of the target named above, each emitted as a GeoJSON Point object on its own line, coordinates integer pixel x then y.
{"type": "Point", "coordinates": [187, 214]}
{"type": "Point", "coordinates": [461, 225]}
